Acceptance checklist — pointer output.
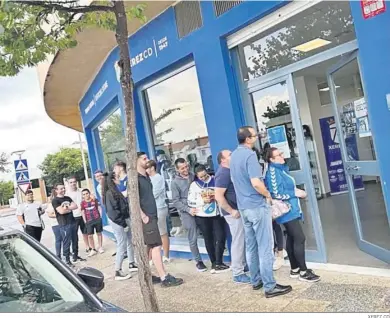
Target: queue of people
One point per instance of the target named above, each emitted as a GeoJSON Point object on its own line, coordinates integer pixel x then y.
{"type": "Point", "coordinates": [252, 202]}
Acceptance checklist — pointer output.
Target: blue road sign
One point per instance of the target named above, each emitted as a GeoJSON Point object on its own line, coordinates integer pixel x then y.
{"type": "Point", "coordinates": [22, 177]}
{"type": "Point", "coordinates": [20, 165]}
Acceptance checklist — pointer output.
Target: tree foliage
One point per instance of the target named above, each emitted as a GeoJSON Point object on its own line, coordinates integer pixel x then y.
{"type": "Point", "coordinates": [63, 164]}
{"type": "Point", "coordinates": [35, 29]}
{"type": "Point", "coordinates": [4, 162]}
{"type": "Point", "coordinates": [280, 109]}
{"type": "Point", "coordinates": [6, 191]}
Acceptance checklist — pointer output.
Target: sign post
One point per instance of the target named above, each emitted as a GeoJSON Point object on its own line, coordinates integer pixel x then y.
{"type": "Point", "coordinates": [22, 175]}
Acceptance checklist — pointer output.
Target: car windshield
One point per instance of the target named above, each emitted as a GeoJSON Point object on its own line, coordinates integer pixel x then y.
{"type": "Point", "coordinates": [30, 283]}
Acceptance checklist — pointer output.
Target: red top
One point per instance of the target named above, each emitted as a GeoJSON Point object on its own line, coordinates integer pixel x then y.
{"type": "Point", "coordinates": [91, 210]}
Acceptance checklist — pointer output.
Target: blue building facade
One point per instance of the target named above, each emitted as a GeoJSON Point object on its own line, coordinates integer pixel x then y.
{"type": "Point", "coordinates": [267, 64]}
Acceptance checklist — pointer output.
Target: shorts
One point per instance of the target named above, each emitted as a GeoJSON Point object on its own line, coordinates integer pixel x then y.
{"type": "Point", "coordinates": [162, 215]}
{"type": "Point", "coordinates": [95, 225]}
{"type": "Point", "coordinates": [80, 223]}
{"type": "Point", "coordinates": [152, 237]}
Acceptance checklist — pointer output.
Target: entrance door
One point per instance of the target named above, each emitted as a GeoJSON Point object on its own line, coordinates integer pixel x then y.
{"type": "Point", "coordinates": [353, 133]}
{"type": "Point", "coordinates": [275, 114]}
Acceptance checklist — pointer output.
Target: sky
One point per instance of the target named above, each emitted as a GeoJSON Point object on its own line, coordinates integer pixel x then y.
{"type": "Point", "coordinates": [24, 124]}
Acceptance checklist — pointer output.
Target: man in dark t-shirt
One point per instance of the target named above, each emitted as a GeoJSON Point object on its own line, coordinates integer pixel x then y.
{"type": "Point", "coordinates": [152, 236]}
{"type": "Point", "coordinates": [227, 201]}
{"type": "Point", "coordinates": [63, 207]}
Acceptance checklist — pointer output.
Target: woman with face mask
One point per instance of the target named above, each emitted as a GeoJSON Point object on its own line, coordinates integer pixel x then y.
{"type": "Point", "coordinates": [282, 187]}
{"type": "Point", "coordinates": [202, 203]}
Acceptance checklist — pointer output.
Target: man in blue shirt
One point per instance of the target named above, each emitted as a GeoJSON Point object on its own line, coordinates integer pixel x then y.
{"type": "Point", "coordinates": [120, 171]}
{"type": "Point", "coordinates": [227, 201]}
{"type": "Point", "coordinates": [253, 203]}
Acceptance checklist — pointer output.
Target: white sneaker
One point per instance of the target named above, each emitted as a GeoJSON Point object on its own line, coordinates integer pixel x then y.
{"type": "Point", "coordinates": [101, 250]}
{"type": "Point", "coordinates": [92, 253]}
{"type": "Point", "coordinates": [166, 259]}
{"type": "Point", "coordinates": [278, 263]}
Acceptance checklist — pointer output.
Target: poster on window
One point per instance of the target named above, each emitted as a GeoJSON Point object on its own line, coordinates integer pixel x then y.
{"type": "Point", "coordinates": [334, 162]}
{"type": "Point", "coordinates": [278, 138]}
{"type": "Point", "coordinates": [361, 114]}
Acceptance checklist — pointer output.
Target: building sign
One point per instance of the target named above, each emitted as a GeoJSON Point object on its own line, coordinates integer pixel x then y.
{"type": "Point", "coordinates": [334, 162]}
{"type": "Point", "coordinates": [371, 8]}
{"type": "Point", "coordinates": [278, 138]}
{"type": "Point", "coordinates": [96, 97]}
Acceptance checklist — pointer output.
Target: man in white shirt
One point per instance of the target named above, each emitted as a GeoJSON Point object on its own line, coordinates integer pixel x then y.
{"type": "Point", "coordinates": [76, 195]}
{"type": "Point", "coordinates": [160, 196]}
{"type": "Point", "coordinates": [29, 216]}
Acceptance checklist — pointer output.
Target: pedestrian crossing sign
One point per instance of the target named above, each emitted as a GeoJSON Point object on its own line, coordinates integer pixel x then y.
{"type": "Point", "coordinates": [20, 165]}
{"type": "Point", "coordinates": [22, 177]}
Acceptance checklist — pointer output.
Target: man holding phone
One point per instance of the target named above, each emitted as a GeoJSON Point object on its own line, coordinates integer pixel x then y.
{"type": "Point", "coordinates": [63, 207]}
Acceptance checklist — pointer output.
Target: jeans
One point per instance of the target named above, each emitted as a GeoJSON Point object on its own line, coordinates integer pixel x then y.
{"type": "Point", "coordinates": [213, 229]}
{"type": "Point", "coordinates": [189, 224]}
{"type": "Point", "coordinates": [295, 244]}
{"type": "Point", "coordinates": [238, 245]}
{"type": "Point", "coordinates": [58, 239]}
{"type": "Point", "coordinates": [123, 242]}
{"type": "Point", "coordinates": [69, 235]}
{"type": "Point", "coordinates": [259, 245]}
{"type": "Point", "coordinates": [279, 241]}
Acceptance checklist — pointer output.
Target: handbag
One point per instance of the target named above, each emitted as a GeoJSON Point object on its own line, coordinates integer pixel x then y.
{"type": "Point", "coordinates": [279, 208]}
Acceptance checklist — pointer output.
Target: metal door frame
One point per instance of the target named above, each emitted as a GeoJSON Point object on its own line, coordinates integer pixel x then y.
{"type": "Point", "coordinates": [302, 176]}
{"type": "Point", "coordinates": [370, 168]}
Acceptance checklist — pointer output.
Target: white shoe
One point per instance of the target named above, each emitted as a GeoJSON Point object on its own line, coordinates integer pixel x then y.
{"type": "Point", "coordinates": [101, 250]}
{"type": "Point", "coordinates": [278, 263]}
{"type": "Point", "coordinates": [119, 275]}
{"type": "Point", "coordinates": [92, 253]}
{"type": "Point", "coordinates": [166, 259]}
{"type": "Point", "coordinates": [179, 231]}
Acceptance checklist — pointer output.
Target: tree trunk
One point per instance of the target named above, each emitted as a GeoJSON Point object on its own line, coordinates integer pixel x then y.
{"type": "Point", "coordinates": [144, 273]}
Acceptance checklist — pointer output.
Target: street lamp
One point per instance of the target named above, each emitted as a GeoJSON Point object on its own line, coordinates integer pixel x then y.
{"type": "Point", "coordinates": [18, 153]}
{"type": "Point", "coordinates": [83, 157]}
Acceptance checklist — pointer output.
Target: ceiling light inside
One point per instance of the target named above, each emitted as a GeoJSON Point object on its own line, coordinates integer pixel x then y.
{"type": "Point", "coordinates": [311, 45]}
{"type": "Point", "coordinates": [325, 89]}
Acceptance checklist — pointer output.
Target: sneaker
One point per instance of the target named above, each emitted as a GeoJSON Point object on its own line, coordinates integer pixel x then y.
{"type": "Point", "coordinates": [309, 277]}
{"type": "Point", "coordinates": [166, 260]}
{"type": "Point", "coordinates": [87, 250]}
{"type": "Point", "coordinates": [92, 253]}
{"type": "Point", "coordinates": [101, 250]}
{"type": "Point", "coordinates": [171, 281]}
{"type": "Point", "coordinates": [219, 268]}
{"type": "Point", "coordinates": [278, 290]}
{"type": "Point", "coordinates": [294, 273]}
{"type": "Point", "coordinates": [156, 280]}
{"type": "Point", "coordinates": [242, 279]}
{"type": "Point", "coordinates": [69, 263]}
{"type": "Point", "coordinates": [78, 259]}
{"type": "Point", "coordinates": [201, 267]}
{"type": "Point", "coordinates": [133, 267]}
{"type": "Point", "coordinates": [119, 275]}
{"type": "Point", "coordinates": [278, 263]}
{"type": "Point", "coordinates": [258, 286]}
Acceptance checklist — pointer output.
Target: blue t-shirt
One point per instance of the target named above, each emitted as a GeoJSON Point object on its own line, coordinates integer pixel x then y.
{"type": "Point", "coordinates": [222, 180]}
{"type": "Point", "coordinates": [122, 186]}
{"type": "Point", "coordinates": [244, 166]}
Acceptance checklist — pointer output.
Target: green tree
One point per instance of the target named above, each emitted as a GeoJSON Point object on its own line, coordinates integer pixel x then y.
{"type": "Point", "coordinates": [4, 162]}
{"type": "Point", "coordinates": [6, 191]}
{"type": "Point", "coordinates": [25, 42]}
{"type": "Point", "coordinates": [63, 164]}
{"type": "Point", "coordinates": [280, 109]}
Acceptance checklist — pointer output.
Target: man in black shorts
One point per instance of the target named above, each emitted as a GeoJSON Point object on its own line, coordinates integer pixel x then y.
{"type": "Point", "coordinates": [152, 236]}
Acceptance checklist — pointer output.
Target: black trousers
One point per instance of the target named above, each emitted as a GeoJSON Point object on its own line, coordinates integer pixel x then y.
{"type": "Point", "coordinates": [295, 244]}
{"type": "Point", "coordinates": [278, 235]}
{"type": "Point", "coordinates": [213, 230]}
{"type": "Point", "coordinates": [34, 231]}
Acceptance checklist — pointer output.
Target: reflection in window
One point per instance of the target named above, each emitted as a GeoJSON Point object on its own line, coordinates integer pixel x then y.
{"type": "Point", "coordinates": [112, 139]}
{"type": "Point", "coordinates": [178, 124]}
{"type": "Point", "coordinates": [319, 28]}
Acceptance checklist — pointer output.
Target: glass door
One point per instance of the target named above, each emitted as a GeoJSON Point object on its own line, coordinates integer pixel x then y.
{"type": "Point", "coordinates": [276, 117]}
{"type": "Point", "coordinates": [352, 132]}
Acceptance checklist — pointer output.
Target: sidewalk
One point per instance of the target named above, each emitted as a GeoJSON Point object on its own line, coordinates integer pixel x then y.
{"type": "Point", "coordinates": [205, 292]}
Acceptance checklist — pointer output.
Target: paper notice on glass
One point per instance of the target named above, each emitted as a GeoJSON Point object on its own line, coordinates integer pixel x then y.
{"type": "Point", "coordinates": [278, 138]}
{"type": "Point", "coordinates": [361, 114]}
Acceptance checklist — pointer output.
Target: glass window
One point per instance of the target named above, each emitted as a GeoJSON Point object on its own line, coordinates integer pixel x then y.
{"type": "Point", "coordinates": [30, 283]}
{"type": "Point", "coordinates": [319, 28]}
{"type": "Point", "coordinates": [112, 139]}
{"type": "Point", "coordinates": [178, 124]}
